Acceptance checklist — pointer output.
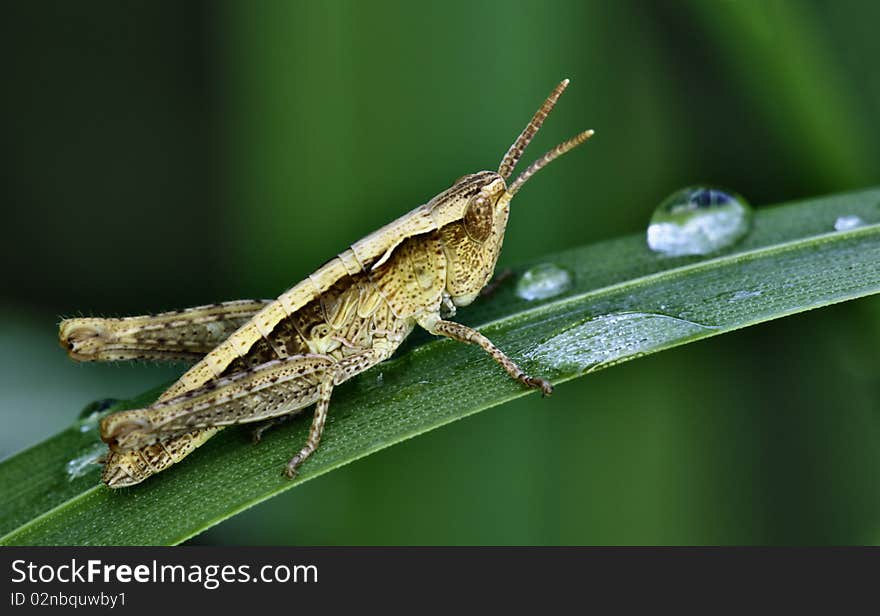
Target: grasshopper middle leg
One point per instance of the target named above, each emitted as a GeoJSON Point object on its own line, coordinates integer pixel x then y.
{"type": "Point", "coordinates": [268, 424]}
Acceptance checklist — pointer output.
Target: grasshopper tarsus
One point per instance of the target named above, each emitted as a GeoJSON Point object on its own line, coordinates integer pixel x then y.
{"type": "Point", "coordinates": [290, 471]}
{"type": "Point", "coordinates": [538, 383]}
{"type": "Point", "coordinates": [292, 468]}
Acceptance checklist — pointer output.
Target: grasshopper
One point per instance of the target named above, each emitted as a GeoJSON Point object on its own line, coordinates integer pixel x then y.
{"type": "Point", "coordinates": [257, 360]}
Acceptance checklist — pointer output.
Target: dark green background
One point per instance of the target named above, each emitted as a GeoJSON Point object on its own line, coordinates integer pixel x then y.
{"type": "Point", "coordinates": [159, 155]}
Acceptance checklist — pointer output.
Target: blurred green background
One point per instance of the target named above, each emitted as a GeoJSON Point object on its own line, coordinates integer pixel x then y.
{"type": "Point", "coordinates": [159, 155]}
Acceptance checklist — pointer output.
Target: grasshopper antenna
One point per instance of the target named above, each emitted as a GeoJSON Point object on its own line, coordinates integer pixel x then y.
{"type": "Point", "coordinates": [548, 158]}
{"type": "Point", "coordinates": [511, 158]}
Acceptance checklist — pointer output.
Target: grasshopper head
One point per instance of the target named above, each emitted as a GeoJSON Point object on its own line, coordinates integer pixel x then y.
{"type": "Point", "coordinates": [478, 205]}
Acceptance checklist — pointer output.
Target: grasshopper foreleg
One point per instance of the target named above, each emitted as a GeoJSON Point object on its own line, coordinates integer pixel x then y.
{"type": "Point", "coordinates": [496, 282]}
{"type": "Point", "coordinates": [463, 333]}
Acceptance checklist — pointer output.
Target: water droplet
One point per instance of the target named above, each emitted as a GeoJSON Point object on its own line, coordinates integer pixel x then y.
{"type": "Point", "coordinates": [85, 462]}
{"type": "Point", "coordinates": [698, 220]}
{"type": "Point", "coordinates": [89, 423]}
{"type": "Point", "coordinates": [98, 406]}
{"type": "Point", "coordinates": [543, 281]}
{"type": "Point", "coordinates": [845, 223]}
{"type": "Point", "coordinates": [609, 338]}
{"type": "Point", "coordinates": [91, 415]}
{"type": "Point", "coordinates": [744, 294]}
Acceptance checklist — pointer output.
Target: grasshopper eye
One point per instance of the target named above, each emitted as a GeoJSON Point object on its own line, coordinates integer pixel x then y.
{"type": "Point", "coordinates": [478, 218]}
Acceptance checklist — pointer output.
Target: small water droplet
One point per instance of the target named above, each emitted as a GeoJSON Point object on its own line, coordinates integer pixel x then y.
{"type": "Point", "coordinates": [744, 294]}
{"type": "Point", "coordinates": [91, 415]}
{"type": "Point", "coordinates": [543, 281]}
{"type": "Point", "coordinates": [845, 223]}
{"type": "Point", "coordinates": [89, 423]}
{"type": "Point", "coordinates": [85, 462]}
{"type": "Point", "coordinates": [609, 338]}
{"type": "Point", "coordinates": [698, 220]}
{"type": "Point", "coordinates": [98, 406]}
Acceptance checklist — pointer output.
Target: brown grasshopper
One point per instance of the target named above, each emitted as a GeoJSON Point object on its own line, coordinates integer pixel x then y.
{"type": "Point", "coordinates": [259, 360]}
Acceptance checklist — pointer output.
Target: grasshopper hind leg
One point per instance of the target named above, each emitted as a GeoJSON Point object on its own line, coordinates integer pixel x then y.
{"type": "Point", "coordinates": [337, 373]}
{"type": "Point", "coordinates": [325, 389]}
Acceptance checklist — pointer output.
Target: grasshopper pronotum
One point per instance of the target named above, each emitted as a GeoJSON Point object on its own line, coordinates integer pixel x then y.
{"type": "Point", "coordinates": [259, 360]}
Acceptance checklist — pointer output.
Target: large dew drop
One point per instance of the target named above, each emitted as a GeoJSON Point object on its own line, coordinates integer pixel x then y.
{"type": "Point", "coordinates": [697, 221]}
{"type": "Point", "coordinates": [543, 281]}
{"type": "Point", "coordinates": [609, 338]}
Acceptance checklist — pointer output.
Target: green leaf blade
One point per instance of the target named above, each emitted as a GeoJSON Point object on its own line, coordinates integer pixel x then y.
{"type": "Point", "coordinates": [625, 302]}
